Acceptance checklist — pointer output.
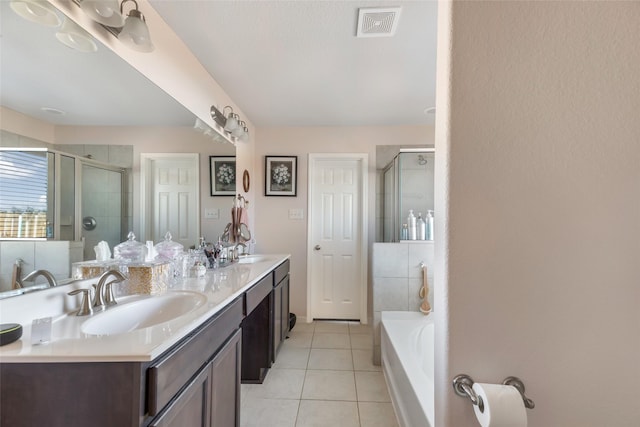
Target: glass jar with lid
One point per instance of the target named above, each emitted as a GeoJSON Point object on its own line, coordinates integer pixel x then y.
{"type": "Point", "coordinates": [130, 251]}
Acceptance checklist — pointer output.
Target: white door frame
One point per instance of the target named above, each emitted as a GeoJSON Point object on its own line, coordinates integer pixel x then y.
{"type": "Point", "coordinates": [364, 225]}
{"type": "Point", "coordinates": [146, 183]}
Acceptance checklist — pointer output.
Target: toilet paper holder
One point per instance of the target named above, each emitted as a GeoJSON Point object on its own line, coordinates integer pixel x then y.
{"type": "Point", "coordinates": [462, 385]}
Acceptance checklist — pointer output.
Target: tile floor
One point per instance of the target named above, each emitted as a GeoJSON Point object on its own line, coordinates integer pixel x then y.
{"type": "Point", "coordinates": [324, 376]}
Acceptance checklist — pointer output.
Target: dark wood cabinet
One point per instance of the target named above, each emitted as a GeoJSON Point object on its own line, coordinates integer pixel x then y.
{"type": "Point", "coordinates": [225, 384]}
{"type": "Point", "coordinates": [266, 324]}
{"type": "Point", "coordinates": [280, 314]}
{"type": "Point", "coordinates": [212, 397]}
{"type": "Point", "coordinates": [257, 331]}
{"type": "Point", "coordinates": [192, 407]}
{"type": "Point", "coordinates": [195, 383]}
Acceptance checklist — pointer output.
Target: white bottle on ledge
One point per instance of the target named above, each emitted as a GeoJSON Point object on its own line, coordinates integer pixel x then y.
{"type": "Point", "coordinates": [429, 225]}
{"type": "Point", "coordinates": [421, 227]}
{"type": "Point", "coordinates": [411, 221]}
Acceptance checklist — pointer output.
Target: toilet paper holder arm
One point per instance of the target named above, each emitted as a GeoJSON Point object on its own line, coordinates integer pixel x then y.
{"type": "Point", "coordinates": [463, 386]}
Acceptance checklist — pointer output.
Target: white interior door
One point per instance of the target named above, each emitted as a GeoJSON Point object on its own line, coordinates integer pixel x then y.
{"type": "Point", "coordinates": [337, 237]}
{"type": "Point", "coordinates": [173, 184]}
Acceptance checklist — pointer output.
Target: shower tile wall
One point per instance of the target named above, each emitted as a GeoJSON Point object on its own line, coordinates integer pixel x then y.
{"type": "Point", "coordinates": [54, 256]}
{"type": "Point", "coordinates": [10, 139]}
{"type": "Point", "coordinates": [397, 278]}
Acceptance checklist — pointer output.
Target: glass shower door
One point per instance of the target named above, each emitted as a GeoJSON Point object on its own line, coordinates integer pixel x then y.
{"type": "Point", "coordinates": [101, 208]}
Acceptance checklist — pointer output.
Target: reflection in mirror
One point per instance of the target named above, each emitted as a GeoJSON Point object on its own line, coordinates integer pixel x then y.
{"type": "Point", "coordinates": [89, 105]}
{"type": "Point", "coordinates": [24, 194]}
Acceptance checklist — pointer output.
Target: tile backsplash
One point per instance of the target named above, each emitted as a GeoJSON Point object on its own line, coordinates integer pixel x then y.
{"type": "Point", "coordinates": [397, 279]}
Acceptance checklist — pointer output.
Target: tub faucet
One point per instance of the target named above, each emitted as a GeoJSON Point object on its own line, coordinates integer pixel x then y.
{"type": "Point", "coordinates": [18, 282]}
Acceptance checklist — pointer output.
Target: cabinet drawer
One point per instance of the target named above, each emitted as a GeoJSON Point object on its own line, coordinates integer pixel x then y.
{"type": "Point", "coordinates": [256, 294]}
{"type": "Point", "coordinates": [173, 371]}
{"type": "Point", "coordinates": [280, 272]}
{"type": "Point", "coordinates": [191, 408]}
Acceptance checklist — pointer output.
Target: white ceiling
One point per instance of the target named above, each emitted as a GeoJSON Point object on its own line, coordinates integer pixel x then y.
{"type": "Point", "coordinates": [298, 63]}
{"type": "Point", "coordinates": [285, 63]}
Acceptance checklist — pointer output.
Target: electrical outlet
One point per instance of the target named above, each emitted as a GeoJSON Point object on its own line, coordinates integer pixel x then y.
{"type": "Point", "coordinates": [296, 214]}
{"type": "Point", "coordinates": [210, 213]}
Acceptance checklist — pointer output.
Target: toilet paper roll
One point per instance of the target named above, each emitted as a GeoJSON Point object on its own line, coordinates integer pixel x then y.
{"type": "Point", "coordinates": [503, 406]}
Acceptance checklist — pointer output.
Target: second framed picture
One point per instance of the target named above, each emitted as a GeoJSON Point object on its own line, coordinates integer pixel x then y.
{"type": "Point", "coordinates": [281, 175]}
{"type": "Point", "coordinates": [222, 174]}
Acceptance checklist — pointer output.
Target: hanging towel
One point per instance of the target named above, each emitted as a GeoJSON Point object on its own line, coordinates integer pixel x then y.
{"type": "Point", "coordinates": [244, 216]}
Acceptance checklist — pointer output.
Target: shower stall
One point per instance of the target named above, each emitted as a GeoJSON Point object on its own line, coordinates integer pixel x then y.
{"type": "Point", "coordinates": [407, 184]}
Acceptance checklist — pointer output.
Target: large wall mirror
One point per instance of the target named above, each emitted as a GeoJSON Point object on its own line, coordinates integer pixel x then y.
{"type": "Point", "coordinates": [100, 110]}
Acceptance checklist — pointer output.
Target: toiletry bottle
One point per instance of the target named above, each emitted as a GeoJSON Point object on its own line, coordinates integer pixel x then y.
{"type": "Point", "coordinates": [430, 225]}
{"type": "Point", "coordinates": [411, 220]}
{"type": "Point", "coordinates": [421, 227]}
{"type": "Point", "coordinates": [405, 232]}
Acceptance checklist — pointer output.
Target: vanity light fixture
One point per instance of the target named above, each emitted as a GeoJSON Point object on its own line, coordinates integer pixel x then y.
{"type": "Point", "coordinates": [231, 123]}
{"type": "Point", "coordinates": [208, 131]}
{"type": "Point", "coordinates": [75, 37]}
{"type": "Point", "coordinates": [245, 135]}
{"type": "Point", "coordinates": [239, 130]}
{"type": "Point", "coordinates": [70, 34]}
{"type": "Point", "coordinates": [135, 33]}
{"type": "Point", "coordinates": [36, 11]}
{"type": "Point", "coordinates": [106, 12]}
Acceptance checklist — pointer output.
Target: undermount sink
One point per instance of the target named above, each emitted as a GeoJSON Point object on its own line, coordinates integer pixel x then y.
{"type": "Point", "coordinates": [250, 259]}
{"type": "Point", "coordinates": [143, 313]}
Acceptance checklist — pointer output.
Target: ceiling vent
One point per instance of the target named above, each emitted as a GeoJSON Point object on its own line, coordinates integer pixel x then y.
{"type": "Point", "coordinates": [377, 22]}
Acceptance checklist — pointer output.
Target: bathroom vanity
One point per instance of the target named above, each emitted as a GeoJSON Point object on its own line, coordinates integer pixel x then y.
{"type": "Point", "coordinates": [185, 371]}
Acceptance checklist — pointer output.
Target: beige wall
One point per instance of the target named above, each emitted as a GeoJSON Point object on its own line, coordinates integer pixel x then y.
{"type": "Point", "coordinates": [537, 138]}
{"type": "Point", "coordinates": [274, 231]}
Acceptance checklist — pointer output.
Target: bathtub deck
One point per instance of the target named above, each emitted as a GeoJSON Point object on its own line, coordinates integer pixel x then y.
{"type": "Point", "coordinates": [407, 359]}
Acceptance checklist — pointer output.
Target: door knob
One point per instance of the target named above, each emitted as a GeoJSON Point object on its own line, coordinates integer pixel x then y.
{"type": "Point", "coordinates": [317, 247]}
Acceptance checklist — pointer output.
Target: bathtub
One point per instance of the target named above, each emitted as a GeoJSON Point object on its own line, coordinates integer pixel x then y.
{"type": "Point", "coordinates": [407, 364]}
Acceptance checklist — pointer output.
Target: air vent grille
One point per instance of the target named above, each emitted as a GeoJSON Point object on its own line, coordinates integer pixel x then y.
{"type": "Point", "coordinates": [377, 22]}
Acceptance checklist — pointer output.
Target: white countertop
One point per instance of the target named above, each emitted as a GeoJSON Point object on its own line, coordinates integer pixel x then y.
{"type": "Point", "coordinates": [69, 344]}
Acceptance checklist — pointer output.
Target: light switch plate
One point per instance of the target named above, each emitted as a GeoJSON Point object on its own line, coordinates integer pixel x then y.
{"type": "Point", "coordinates": [212, 213]}
{"type": "Point", "coordinates": [296, 214]}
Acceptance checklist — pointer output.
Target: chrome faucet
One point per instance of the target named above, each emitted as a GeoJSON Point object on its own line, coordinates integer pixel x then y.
{"type": "Point", "coordinates": [17, 272]}
{"type": "Point", "coordinates": [235, 255]}
{"type": "Point", "coordinates": [104, 293]}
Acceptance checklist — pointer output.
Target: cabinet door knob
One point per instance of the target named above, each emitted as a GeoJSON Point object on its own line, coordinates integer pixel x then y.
{"type": "Point", "coordinates": [317, 247]}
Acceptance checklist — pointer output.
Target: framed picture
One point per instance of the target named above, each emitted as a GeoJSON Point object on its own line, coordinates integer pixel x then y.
{"type": "Point", "coordinates": [222, 174]}
{"type": "Point", "coordinates": [281, 175]}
